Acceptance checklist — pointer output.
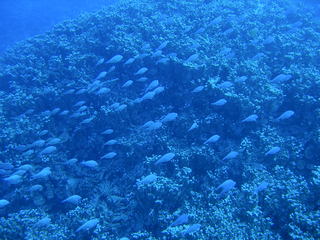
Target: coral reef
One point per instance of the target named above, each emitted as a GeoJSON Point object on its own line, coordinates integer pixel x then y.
{"type": "Point", "coordinates": [72, 124]}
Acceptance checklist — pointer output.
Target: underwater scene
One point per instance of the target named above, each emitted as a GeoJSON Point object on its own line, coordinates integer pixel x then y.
{"type": "Point", "coordinates": [164, 120]}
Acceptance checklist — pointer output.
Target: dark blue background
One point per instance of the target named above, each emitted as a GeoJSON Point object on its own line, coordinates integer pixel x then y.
{"type": "Point", "coordinates": [20, 19]}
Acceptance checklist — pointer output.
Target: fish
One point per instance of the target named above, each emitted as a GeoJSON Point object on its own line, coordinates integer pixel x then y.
{"type": "Point", "coordinates": [127, 84]}
{"type": "Point", "coordinates": [26, 167]}
{"type": "Point", "coordinates": [217, 20]}
{"type": "Point", "coordinates": [36, 188]}
{"type": "Point", "coordinates": [226, 186]}
{"type": "Point", "coordinates": [169, 117]}
{"type": "Point", "coordinates": [111, 142]}
{"type": "Point", "coordinates": [79, 103]}
{"type": "Point", "coordinates": [111, 69]}
{"type": "Point", "coordinates": [29, 112]}
{"type": "Point", "coordinates": [148, 96]}
{"type": "Point", "coordinates": [77, 115]}
{"type": "Point", "coordinates": [268, 40]}
{"type": "Point", "coordinates": [192, 229]}
{"type": "Point", "coordinates": [193, 126]}
{"type": "Point", "coordinates": [158, 90]}
{"type": "Point", "coordinates": [228, 31]}
{"type": "Point", "coordinates": [147, 124]}
{"type": "Point", "coordinates": [121, 107]}
{"type": "Point", "coordinates": [241, 79]}
{"type": "Point", "coordinates": [94, 86]}
{"type": "Point", "coordinates": [156, 125]}
{"type": "Point", "coordinates": [137, 100]}
{"type": "Point", "coordinates": [165, 158]}
{"type": "Point", "coordinates": [44, 173]}
{"type": "Point", "coordinates": [13, 179]}
{"type": "Point", "coordinates": [163, 60]}
{"type": "Point", "coordinates": [151, 125]}
{"type": "Point", "coordinates": [64, 113]}
{"type": "Point", "coordinates": [3, 203]}
{"type": "Point", "coordinates": [195, 45]}
{"type": "Point", "coordinates": [115, 59]}
{"type": "Point", "coordinates": [200, 30]}
{"type": "Point", "coordinates": [262, 186]}
{"type": "Point", "coordinates": [225, 85]}
{"type": "Point", "coordinates": [88, 225]}
{"type": "Point", "coordinates": [286, 115]}
{"type": "Point", "coordinates": [108, 131]}
{"type": "Point", "coordinates": [28, 153]}
{"type": "Point", "coordinates": [192, 58]}
{"type": "Point", "coordinates": [219, 102]}
{"type": "Point", "coordinates": [148, 179]}
{"type": "Point", "coordinates": [109, 155]}
{"type": "Point", "coordinates": [89, 163]}
{"type": "Point", "coordinates": [103, 91]}
{"type": "Point", "coordinates": [55, 111]}
{"type": "Point", "coordinates": [87, 120]}
{"type": "Point", "coordinates": [197, 89]}
{"type": "Point", "coordinates": [70, 91]}
{"type": "Point", "coordinates": [272, 151]}
{"type": "Point", "coordinates": [22, 148]}
{"type": "Point", "coordinates": [38, 143]}
{"type": "Point", "coordinates": [182, 219]}
{"type": "Point", "coordinates": [6, 166]}
{"type": "Point", "coordinates": [251, 118]}
{"type": "Point", "coordinates": [142, 55]}
{"type": "Point", "coordinates": [212, 139]}
{"type": "Point", "coordinates": [142, 79]}
{"type": "Point", "coordinates": [101, 75]}
{"type": "Point", "coordinates": [71, 161]}
{"type": "Point", "coordinates": [162, 45]}
{"type": "Point", "coordinates": [43, 222]}
{"type": "Point", "coordinates": [48, 150]}
{"type": "Point", "coordinates": [141, 71]}
{"type": "Point", "coordinates": [152, 85]}
{"type": "Point", "coordinates": [157, 53]}
{"type": "Point", "coordinates": [4, 172]}
{"type": "Point", "coordinates": [74, 199]}
{"type": "Point", "coordinates": [115, 105]}
{"type": "Point", "coordinates": [281, 78]}
{"type": "Point", "coordinates": [100, 61]}
{"type": "Point", "coordinates": [82, 108]}
{"type": "Point", "coordinates": [20, 172]}
{"type": "Point", "coordinates": [231, 155]}
{"type": "Point", "coordinates": [83, 90]}
{"type": "Point", "coordinates": [129, 61]}
{"type": "Point", "coordinates": [43, 132]}
{"type": "Point", "coordinates": [53, 141]}
{"type": "Point", "coordinates": [46, 113]}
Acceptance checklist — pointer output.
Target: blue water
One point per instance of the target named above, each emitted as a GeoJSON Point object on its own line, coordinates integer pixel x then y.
{"type": "Point", "coordinates": [160, 120]}
{"type": "Point", "coordinates": [21, 19]}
